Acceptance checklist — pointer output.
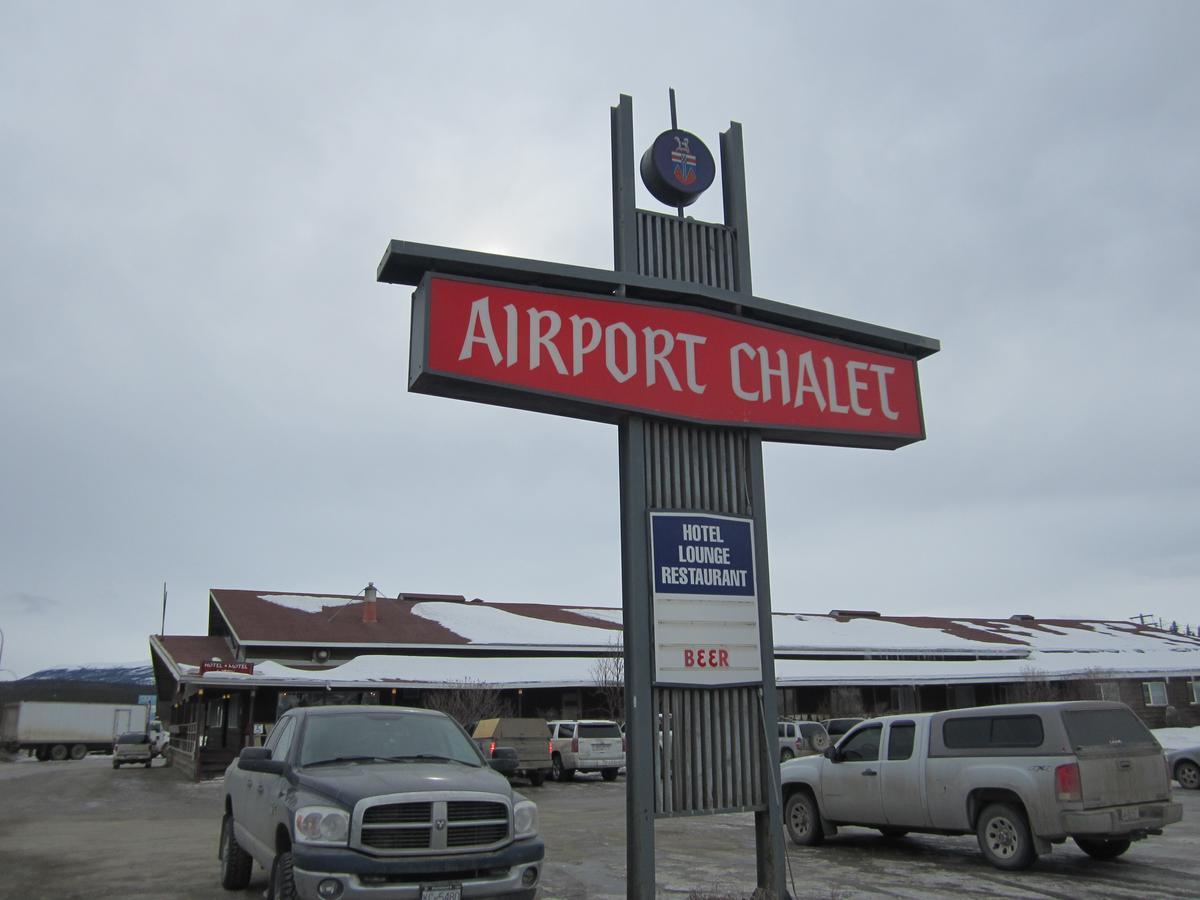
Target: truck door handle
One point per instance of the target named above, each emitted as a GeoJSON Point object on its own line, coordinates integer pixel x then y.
{"type": "Point", "coordinates": [260, 789]}
{"type": "Point", "coordinates": [1124, 764]}
{"type": "Point", "coordinates": [870, 772]}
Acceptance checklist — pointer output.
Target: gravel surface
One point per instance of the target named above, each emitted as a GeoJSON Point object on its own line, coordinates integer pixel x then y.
{"type": "Point", "coordinates": [83, 830]}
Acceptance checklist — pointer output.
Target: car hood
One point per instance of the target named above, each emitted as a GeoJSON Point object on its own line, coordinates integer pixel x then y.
{"type": "Point", "coordinates": [802, 767]}
{"type": "Point", "coordinates": [347, 783]}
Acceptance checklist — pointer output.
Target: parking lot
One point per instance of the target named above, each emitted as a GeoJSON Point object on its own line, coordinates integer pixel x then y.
{"type": "Point", "coordinates": [81, 829]}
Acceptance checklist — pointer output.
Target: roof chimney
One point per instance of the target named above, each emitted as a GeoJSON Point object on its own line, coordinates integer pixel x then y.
{"type": "Point", "coordinates": [370, 612]}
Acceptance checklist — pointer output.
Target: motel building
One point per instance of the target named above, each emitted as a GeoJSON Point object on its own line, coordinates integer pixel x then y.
{"type": "Point", "coordinates": [267, 651]}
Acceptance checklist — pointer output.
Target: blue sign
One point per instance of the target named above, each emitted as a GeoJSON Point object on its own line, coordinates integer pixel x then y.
{"type": "Point", "coordinates": [698, 555]}
{"type": "Point", "coordinates": [677, 168]}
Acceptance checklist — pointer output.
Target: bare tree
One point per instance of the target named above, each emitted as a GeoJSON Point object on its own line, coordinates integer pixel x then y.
{"type": "Point", "coordinates": [468, 701]}
{"type": "Point", "coordinates": [608, 674]}
{"type": "Point", "coordinates": [1035, 686]}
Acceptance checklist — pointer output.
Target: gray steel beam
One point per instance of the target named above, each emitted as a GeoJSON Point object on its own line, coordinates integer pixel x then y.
{"type": "Point", "coordinates": [635, 563]}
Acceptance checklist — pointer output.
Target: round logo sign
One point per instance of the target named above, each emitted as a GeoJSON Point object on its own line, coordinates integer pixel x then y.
{"type": "Point", "coordinates": [677, 168]}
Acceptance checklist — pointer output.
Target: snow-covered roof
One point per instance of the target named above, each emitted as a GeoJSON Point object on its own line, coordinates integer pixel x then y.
{"type": "Point", "coordinates": [508, 644]}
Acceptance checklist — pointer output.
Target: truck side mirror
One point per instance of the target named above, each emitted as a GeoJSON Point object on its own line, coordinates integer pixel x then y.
{"type": "Point", "coordinates": [831, 754]}
{"type": "Point", "coordinates": [258, 759]}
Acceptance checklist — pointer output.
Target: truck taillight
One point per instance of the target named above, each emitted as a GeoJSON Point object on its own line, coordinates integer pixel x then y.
{"type": "Point", "coordinates": [574, 745]}
{"type": "Point", "coordinates": [550, 749]}
{"type": "Point", "coordinates": [624, 749]}
{"type": "Point", "coordinates": [492, 749]}
{"type": "Point", "coordinates": [1066, 782]}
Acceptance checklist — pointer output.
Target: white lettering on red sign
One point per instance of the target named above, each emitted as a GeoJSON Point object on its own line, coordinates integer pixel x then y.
{"type": "Point", "coordinates": [673, 361]}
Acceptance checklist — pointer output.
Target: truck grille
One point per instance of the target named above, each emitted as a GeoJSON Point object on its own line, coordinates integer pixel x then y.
{"type": "Point", "coordinates": [405, 827]}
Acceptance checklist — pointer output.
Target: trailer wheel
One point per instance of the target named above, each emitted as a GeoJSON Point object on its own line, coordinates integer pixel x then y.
{"type": "Point", "coordinates": [59, 752]}
{"type": "Point", "coordinates": [78, 751]}
{"type": "Point", "coordinates": [42, 754]}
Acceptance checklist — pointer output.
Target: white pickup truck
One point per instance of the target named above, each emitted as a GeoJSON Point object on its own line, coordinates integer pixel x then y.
{"type": "Point", "coordinates": [1020, 777]}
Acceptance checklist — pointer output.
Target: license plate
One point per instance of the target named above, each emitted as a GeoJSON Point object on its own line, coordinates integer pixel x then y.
{"type": "Point", "coordinates": [600, 745]}
{"type": "Point", "coordinates": [1129, 815]}
{"type": "Point", "coordinates": [441, 892]}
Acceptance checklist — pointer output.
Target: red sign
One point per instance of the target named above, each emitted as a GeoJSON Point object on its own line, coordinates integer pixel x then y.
{"type": "Point", "coordinates": [241, 668]}
{"type": "Point", "coordinates": [587, 355]}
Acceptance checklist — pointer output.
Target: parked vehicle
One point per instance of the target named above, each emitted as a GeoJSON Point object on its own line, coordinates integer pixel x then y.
{"type": "Point", "coordinates": [133, 747]}
{"type": "Point", "coordinates": [376, 801]}
{"type": "Point", "coordinates": [801, 739]}
{"type": "Point", "coordinates": [1184, 764]}
{"type": "Point", "coordinates": [1021, 777]}
{"type": "Point", "coordinates": [527, 736]}
{"type": "Point", "coordinates": [586, 745]}
{"type": "Point", "coordinates": [835, 728]}
{"type": "Point", "coordinates": [66, 730]}
{"type": "Point", "coordinates": [160, 738]}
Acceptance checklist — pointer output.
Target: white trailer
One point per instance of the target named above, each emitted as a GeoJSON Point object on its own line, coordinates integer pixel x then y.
{"type": "Point", "coordinates": [67, 730]}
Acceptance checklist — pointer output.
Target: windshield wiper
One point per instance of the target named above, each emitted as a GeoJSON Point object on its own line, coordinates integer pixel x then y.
{"type": "Point", "coordinates": [342, 759]}
{"type": "Point", "coordinates": [429, 756]}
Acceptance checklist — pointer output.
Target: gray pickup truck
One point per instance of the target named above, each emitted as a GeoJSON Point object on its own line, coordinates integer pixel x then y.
{"type": "Point", "coordinates": [376, 801]}
{"type": "Point", "coordinates": [1020, 777]}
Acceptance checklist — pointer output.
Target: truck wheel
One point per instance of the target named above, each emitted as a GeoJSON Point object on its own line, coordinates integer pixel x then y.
{"type": "Point", "coordinates": [283, 881]}
{"type": "Point", "coordinates": [1004, 837]}
{"type": "Point", "coordinates": [609, 774]}
{"type": "Point", "coordinates": [1097, 848]}
{"type": "Point", "coordinates": [537, 776]}
{"type": "Point", "coordinates": [42, 754]}
{"type": "Point", "coordinates": [236, 863]}
{"type": "Point", "coordinates": [1187, 773]}
{"type": "Point", "coordinates": [786, 754]}
{"type": "Point", "coordinates": [558, 772]}
{"type": "Point", "coordinates": [116, 765]}
{"type": "Point", "coordinates": [59, 752]}
{"type": "Point", "coordinates": [149, 761]}
{"type": "Point", "coordinates": [803, 819]}
{"type": "Point", "coordinates": [78, 751]}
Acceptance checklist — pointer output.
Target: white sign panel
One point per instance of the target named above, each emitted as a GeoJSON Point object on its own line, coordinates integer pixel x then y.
{"type": "Point", "coordinates": [705, 599]}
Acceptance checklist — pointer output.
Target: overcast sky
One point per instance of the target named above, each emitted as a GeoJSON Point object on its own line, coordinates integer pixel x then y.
{"type": "Point", "coordinates": [202, 383]}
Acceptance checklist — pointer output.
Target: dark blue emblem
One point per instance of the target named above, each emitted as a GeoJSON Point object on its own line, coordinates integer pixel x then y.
{"type": "Point", "coordinates": [677, 168]}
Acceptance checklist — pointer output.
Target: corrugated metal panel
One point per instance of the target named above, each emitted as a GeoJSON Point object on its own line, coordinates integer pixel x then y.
{"type": "Point", "coordinates": [708, 751]}
{"type": "Point", "coordinates": [710, 747]}
{"type": "Point", "coordinates": [685, 250]}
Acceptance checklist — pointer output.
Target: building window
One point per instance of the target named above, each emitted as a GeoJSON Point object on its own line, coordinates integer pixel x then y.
{"type": "Point", "coordinates": [1154, 693]}
{"type": "Point", "coordinates": [1196, 691]}
{"type": "Point", "coordinates": [1110, 690]}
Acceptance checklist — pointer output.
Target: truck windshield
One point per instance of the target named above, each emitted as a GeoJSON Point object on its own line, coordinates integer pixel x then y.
{"type": "Point", "coordinates": [1106, 728]}
{"type": "Point", "coordinates": [385, 737]}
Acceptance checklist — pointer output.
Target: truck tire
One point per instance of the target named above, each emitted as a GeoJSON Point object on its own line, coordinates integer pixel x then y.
{"type": "Point", "coordinates": [59, 752]}
{"type": "Point", "coordinates": [78, 751]}
{"type": "Point", "coordinates": [558, 772]}
{"type": "Point", "coordinates": [785, 754]}
{"type": "Point", "coordinates": [283, 881]}
{"type": "Point", "coordinates": [1098, 848]}
{"type": "Point", "coordinates": [116, 765]}
{"type": "Point", "coordinates": [42, 754]}
{"type": "Point", "coordinates": [803, 819]}
{"type": "Point", "coordinates": [1187, 773]}
{"type": "Point", "coordinates": [537, 776]}
{"type": "Point", "coordinates": [1004, 837]}
{"type": "Point", "coordinates": [609, 774]}
{"type": "Point", "coordinates": [236, 863]}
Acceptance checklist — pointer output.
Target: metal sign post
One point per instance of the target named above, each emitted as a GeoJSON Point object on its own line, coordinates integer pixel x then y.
{"type": "Point", "coordinates": [673, 347]}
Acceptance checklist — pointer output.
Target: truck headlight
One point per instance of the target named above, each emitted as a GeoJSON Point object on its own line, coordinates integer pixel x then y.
{"type": "Point", "coordinates": [322, 825]}
{"type": "Point", "coordinates": [525, 821]}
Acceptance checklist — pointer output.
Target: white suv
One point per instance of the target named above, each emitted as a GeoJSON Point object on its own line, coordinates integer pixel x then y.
{"type": "Point", "coordinates": [586, 745]}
